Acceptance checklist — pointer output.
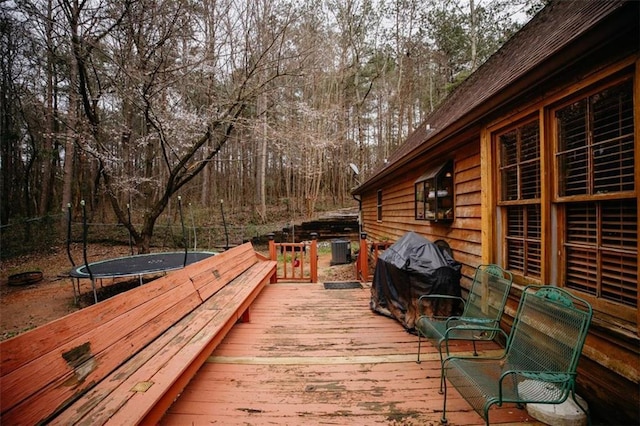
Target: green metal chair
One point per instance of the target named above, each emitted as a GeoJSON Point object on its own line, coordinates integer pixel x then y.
{"type": "Point", "coordinates": [484, 307]}
{"type": "Point", "coordinates": [540, 359]}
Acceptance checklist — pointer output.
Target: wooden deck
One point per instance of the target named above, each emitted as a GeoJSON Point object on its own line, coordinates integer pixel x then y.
{"type": "Point", "coordinates": [315, 356]}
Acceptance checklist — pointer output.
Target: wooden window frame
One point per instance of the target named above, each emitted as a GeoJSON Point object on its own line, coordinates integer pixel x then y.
{"type": "Point", "coordinates": [434, 194]}
{"type": "Point", "coordinates": [379, 206]}
{"type": "Point", "coordinates": [586, 210]}
{"type": "Point", "coordinates": [528, 241]}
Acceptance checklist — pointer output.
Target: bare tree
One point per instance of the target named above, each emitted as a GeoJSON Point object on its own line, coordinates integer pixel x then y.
{"type": "Point", "coordinates": [181, 130]}
{"type": "Point", "coordinates": [256, 102]}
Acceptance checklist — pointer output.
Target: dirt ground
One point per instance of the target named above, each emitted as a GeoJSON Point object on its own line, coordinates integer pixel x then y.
{"type": "Point", "coordinates": [24, 307]}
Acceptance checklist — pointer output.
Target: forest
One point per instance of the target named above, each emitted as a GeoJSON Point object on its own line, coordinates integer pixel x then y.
{"type": "Point", "coordinates": [258, 104]}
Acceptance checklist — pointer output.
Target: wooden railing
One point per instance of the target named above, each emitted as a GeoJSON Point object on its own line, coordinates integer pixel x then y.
{"type": "Point", "coordinates": [294, 258]}
{"type": "Point", "coordinates": [362, 262]}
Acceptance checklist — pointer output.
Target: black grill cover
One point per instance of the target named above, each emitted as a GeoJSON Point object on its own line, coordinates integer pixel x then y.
{"type": "Point", "coordinates": [409, 268]}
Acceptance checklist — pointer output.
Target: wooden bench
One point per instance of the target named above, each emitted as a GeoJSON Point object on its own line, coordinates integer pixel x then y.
{"type": "Point", "coordinates": [540, 358]}
{"type": "Point", "coordinates": [126, 359]}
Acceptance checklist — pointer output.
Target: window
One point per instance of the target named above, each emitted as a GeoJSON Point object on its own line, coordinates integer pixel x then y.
{"type": "Point", "coordinates": [595, 165]}
{"type": "Point", "coordinates": [434, 194]}
{"type": "Point", "coordinates": [595, 143]}
{"type": "Point", "coordinates": [601, 249]}
{"type": "Point", "coordinates": [519, 181]}
{"type": "Point", "coordinates": [379, 205]}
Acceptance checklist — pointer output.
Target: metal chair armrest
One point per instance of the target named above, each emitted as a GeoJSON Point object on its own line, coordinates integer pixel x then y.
{"type": "Point", "coordinates": [436, 297]}
{"type": "Point", "coordinates": [484, 322]}
{"type": "Point", "coordinates": [450, 333]}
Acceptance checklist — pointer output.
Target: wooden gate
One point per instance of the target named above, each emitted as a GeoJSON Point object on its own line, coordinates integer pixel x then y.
{"type": "Point", "coordinates": [297, 262]}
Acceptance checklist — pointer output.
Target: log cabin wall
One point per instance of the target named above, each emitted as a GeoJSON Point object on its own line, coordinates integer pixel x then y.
{"type": "Point", "coordinates": [609, 371]}
{"type": "Point", "coordinates": [608, 58]}
{"type": "Point", "coordinates": [463, 234]}
{"type": "Point", "coordinates": [563, 250]}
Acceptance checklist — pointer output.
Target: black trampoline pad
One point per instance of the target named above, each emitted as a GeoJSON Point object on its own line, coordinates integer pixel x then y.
{"type": "Point", "coordinates": [139, 265]}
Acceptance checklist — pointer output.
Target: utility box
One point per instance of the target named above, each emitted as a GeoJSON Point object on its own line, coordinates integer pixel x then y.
{"type": "Point", "coordinates": [340, 252]}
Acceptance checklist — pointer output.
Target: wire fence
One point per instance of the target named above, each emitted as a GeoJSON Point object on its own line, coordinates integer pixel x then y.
{"type": "Point", "coordinates": [47, 233]}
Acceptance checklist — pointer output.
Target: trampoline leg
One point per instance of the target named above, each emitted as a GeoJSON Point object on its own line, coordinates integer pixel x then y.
{"type": "Point", "coordinates": [140, 279]}
{"type": "Point", "coordinates": [95, 295]}
{"type": "Point", "coordinates": [76, 296]}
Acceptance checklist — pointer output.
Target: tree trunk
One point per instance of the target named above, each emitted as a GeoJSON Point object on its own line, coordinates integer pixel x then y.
{"type": "Point", "coordinates": [48, 158]}
{"type": "Point", "coordinates": [262, 158]}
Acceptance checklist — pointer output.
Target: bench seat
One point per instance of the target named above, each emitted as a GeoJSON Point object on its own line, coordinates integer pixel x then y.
{"type": "Point", "coordinates": [46, 370]}
{"type": "Point", "coordinates": [142, 389]}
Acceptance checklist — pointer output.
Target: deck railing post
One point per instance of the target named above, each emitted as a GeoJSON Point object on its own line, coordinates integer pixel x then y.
{"type": "Point", "coordinates": [313, 257]}
{"type": "Point", "coordinates": [363, 261]}
{"type": "Point", "coordinates": [273, 254]}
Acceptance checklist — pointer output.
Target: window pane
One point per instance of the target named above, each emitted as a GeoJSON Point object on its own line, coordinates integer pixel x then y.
{"type": "Point", "coordinates": [520, 163]}
{"type": "Point", "coordinates": [573, 168]}
{"type": "Point", "coordinates": [530, 142]}
{"type": "Point", "coordinates": [581, 224]}
{"type": "Point", "coordinates": [612, 113]}
{"type": "Point", "coordinates": [530, 178]}
{"type": "Point", "coordinates": [510, 184]}
{"type": "Point", "coordinates": [601, 249]}
{"type": "Point", "coordinates": [573, 162]}
{"type": "Point", "coordinates": [508, 149]}
{"type": "Point", "coordinates": [613, 139]}
{"type": "Point", "coordinates": [509, 165]}
{"type": "Point", "coordinates": [533, 247]}
{"type": "Point", "coordinates": [572, 126]}
{"type": "Point", "coordinates": [534, 222]}
{"type": "Point", "coordinates": [581, 271]}
{"type": "Point", "coordinates": [515, 256]}
{"type": "Point", "coordinates": [534, 259]}
{"type": "Point", "coordinates": [420, 201]}
{"type": "Point", "coordinates": [620, 225]}
{"type": "Point", "coordinates": [596, 143]}
{"type": "Point", "coordinates": [524, 250]}
{"type": "Point", "coordinates": [530, 161]}
{"type": "Point", "coordinates": [620, 277]}
{"type": "Point", "coordinates": [515, 222]}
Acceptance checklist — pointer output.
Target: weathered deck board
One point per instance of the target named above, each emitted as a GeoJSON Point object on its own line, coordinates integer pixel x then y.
{"type": "Point", "coordinates": [159, 367]}
{"type": "Point", "coordinates": [315, 356]}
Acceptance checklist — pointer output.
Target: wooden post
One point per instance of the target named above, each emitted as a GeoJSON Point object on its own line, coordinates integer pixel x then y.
{"type": "Point", "coordinates": [273, 254]}
{"type": "Point", "coordinates": [313, 257]}
{"type": "Point", "coordinates": [246, 316]}
{"type": "Point", "coordinates": [272, 247]}
{"type": "Point", "coordinates": [363, 261]}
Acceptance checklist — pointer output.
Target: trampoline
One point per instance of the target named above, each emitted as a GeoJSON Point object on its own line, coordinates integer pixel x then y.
{"type": "Point", "coordinates": [126, 266]}
{"type": "Point", "coordinates": [135, 265]}
{"type": "Point", "coordinates": [138, 265]}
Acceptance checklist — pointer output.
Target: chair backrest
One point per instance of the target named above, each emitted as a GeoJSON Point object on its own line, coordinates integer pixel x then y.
{"type": "Point", "coordinates": [548, 331]}
{"type": "Point", "coordinates": [488, 293]}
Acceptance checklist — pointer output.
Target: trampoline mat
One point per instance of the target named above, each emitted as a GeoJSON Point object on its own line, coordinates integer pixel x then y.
{"type": "Point", "coordinates": [139, 265]}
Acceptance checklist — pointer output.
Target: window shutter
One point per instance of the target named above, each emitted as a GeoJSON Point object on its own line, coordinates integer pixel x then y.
{"type": "Point", "coordinates": [530, 161]}
{"type": "Point", "coordinates": [601, 249]}
{"type": "Point", "coordinates": [572, 150]}
{"type": "Point", "coordinates": [509, 163]}
{"type": "Point", "coordinates": [619, 251]}
{"type": "Point", "coordinates": [524, 251]}
{"type": "Point", "coordinates": [613, 140]}
{"type": "Point", "coordinates": [581, 266]}
{"type": "Point", "coordinates": [534, 248]}
{"type": "Point", "coordinates": [595, 143]}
